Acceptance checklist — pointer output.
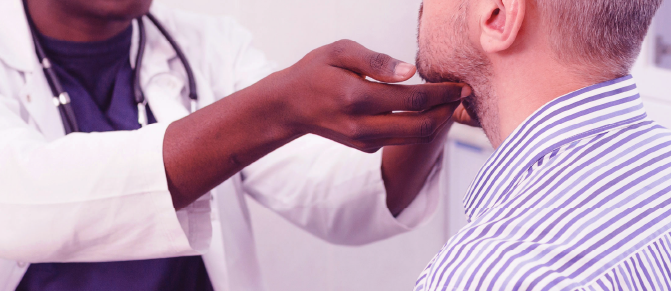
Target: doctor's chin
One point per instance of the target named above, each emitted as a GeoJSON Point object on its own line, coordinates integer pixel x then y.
{"type": "Point", "coordinates": [395, 145]}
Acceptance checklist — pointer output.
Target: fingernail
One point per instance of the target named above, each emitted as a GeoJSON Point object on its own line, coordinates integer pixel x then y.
{"type": "Point", "coordinates": [466, 91]}
{"type": "Point", "coordinates": [402, 70]}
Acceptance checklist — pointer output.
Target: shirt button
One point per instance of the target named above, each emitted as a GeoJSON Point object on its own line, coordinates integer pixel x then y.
{"type": "Point", "coordinates": [22, 264]}
{"type": "Point", "coordinates": [28, 98]}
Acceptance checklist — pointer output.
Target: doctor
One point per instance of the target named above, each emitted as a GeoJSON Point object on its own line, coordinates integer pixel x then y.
{"type": "Point", "coordinates": [118, 190]}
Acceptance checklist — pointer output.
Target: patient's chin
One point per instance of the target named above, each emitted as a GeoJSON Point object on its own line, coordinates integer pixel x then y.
{"type": "Point", "coordinates": [435, 77]}
{"type": "Point", "coordinates": [431, 73]}
{"type": "Point", "coordinates": [425, 69]}
{"type": "Point", "coordinates": [428, 74]}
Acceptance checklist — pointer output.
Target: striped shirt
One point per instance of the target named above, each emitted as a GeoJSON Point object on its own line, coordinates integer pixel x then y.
{"type": "Point", "coordinates": [577, 198]}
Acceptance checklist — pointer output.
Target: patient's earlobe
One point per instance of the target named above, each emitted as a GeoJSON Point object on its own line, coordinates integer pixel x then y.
{"type": "Point", "coordinates": [500, 24]}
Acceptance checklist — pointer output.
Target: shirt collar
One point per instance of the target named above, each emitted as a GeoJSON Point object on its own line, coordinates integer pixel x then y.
{"type": "Point", "coordinates": [575, 116]}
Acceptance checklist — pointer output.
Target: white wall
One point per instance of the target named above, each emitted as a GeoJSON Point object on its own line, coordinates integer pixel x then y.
{"type": "Point", "coordinates": [287, 30]}
{"type": "Point", "coordinates": [663, 29]}
{"type": "Point", "coordinates": [654, 81]}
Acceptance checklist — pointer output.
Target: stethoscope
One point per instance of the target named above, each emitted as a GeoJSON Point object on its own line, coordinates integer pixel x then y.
{"type": "Point", "coordinates": [61, 98]}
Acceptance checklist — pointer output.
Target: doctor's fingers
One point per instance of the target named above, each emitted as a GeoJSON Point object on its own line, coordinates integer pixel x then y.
{"type": "Point", "coordinates": [375, 98]}
{"type": "Point", "coordinates": [352, 56]}
{"type": "Point", "coordinates": [372, 146]}
{"type": "Point", "coordinates": [400, 128]}
{"type": "Point", "coordinates": [463, 116]}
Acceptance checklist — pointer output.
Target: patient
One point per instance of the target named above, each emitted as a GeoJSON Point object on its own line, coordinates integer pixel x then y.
{"type": "Point", "coordinates": [577, 195]}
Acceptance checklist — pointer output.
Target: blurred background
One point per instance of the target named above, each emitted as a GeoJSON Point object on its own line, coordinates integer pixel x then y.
{"type": "Point", "coordinates": [286, 30]}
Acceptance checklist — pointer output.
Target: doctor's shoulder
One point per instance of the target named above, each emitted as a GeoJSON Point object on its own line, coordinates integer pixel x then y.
{"type": "Point", "coordinates": [217, 46]}
{"type": "Point", "coordinates": [202, 31]}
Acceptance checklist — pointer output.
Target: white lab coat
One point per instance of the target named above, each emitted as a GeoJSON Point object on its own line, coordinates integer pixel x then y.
{"type": "Point", "coordinates": [104, 196]}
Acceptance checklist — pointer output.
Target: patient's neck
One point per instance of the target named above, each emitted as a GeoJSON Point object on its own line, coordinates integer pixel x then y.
{"type": "Point", "coordinates": [522, 86]}
{"type": "Point", "coordinates": [55, 19]}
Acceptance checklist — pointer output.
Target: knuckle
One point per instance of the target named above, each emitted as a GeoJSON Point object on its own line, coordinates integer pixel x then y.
{"type": "Point", "coordinates": [426, 127]}
{"type": "Point", "coordinates": [355, 132]}
{"type": "Point", "coordinates": [338, 48]}
{"type": "Point", "coordinates": [359, 104]}
{"type": "Point", "coordinates": [356, 102]}
{"type": "Point", "coordinates": [350, 102]}
{"type": "Point", "coordinates": [453, 95]}
{"type": "Point", "coordinates": [417, 101]}
{"type": "Point", "coordinates": [380, 62]}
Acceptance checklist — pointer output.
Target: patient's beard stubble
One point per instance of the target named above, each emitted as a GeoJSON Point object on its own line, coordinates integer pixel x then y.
{"type": "Point", "coordinates": [446, 55]}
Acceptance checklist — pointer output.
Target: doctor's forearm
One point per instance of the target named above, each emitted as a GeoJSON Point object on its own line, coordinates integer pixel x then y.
{"type": "Point", "coordinates": [326, 94]}
{"type": "Point", "coordinates": [405, 170]}
{"type": "Point", "coordinates": [209, 146]}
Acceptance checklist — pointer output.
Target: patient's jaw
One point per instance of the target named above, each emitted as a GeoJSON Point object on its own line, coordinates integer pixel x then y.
{"type": "Point", "coordinates": [448, 53]}
{"type": "Point", "coordinates": [501, 49]}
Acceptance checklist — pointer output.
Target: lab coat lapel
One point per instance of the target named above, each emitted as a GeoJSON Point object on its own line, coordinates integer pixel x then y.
{"type": "Point", "coordinates": [163, 77]}
{"type": "Point", "coordinates": [162, 86]}
{"type": "Point", "coordinates": [17, 51]}
{"type": "Point", "coordinates": [16, 47]}
{"type": "Point", "coordinates": [232, 258]}
{"type": "Point", "coordinates": [38, 102]}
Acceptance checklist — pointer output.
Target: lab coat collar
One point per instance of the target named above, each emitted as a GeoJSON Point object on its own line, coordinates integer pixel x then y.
{"type": "Point", "coordinates": [17, 52]}
{"type": "Point", "coordinates": [162, 85]}
{"type": "Point", "coordinates": [20, 52]}
{"type": "Point", "coordinates": [158, 51]}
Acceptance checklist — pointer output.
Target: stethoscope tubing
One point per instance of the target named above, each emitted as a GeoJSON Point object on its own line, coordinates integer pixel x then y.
{"type": "Point", "coordinates": [62, 99]}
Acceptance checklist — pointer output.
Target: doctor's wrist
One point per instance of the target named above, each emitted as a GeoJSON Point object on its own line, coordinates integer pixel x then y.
{"type": "Point", "coordinates": [273, 100]}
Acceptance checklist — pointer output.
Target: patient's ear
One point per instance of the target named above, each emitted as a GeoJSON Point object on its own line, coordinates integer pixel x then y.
{"type": "Point", "coordinates": [500, 23]}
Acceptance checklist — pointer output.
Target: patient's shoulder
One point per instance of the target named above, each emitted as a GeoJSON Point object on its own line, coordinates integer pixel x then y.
{"type": "Point", "coordinates": [534, 249]}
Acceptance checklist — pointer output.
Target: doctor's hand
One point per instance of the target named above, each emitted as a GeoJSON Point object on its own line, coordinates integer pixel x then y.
{"type": "Point", "coordinates": [327, 93]}
{"type": "Point", "coordinates": [464, 114]}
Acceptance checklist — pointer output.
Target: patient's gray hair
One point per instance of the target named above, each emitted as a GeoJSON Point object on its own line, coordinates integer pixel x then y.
{"type": "Point", "coordinates": [600, 36]}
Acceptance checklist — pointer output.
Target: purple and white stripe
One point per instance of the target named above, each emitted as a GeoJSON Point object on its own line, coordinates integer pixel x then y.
{"type": "Point", "coordinates": [577, 198]}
